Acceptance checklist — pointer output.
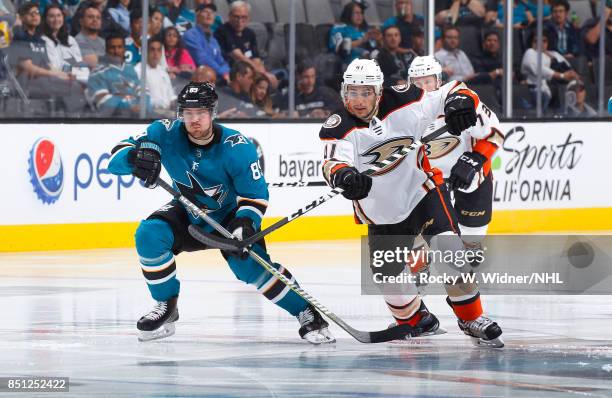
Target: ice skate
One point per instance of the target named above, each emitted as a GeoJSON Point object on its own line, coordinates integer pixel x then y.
{"type": "Point", "coordinates": [428, 325]}
{"type": "Point", "coordinates": [159, 322]}
{"type": "Point", "coordinates": [483, 332]}
{"type": "Point", "coordinates": [314, 327]}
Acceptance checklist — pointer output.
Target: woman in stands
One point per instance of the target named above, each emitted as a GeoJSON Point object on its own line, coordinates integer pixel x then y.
{"type": "Point", "coordinates": [180, 62]}
{"type": "Point", "coordinates": [261, 98]}
{"type": "Point", "coordinates": [353, 38]}
{"type": "Point", "coordinates": [62, 49]}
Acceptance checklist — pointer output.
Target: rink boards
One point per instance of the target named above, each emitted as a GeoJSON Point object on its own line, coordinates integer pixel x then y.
{"type": "Point", "coordinates": [58, 194]}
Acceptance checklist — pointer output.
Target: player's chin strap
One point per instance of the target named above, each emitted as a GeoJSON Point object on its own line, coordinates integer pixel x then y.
{"type": "Point", "coordinates": [234, 245]}
{"type": "Point", "coordinates": [393, 333]}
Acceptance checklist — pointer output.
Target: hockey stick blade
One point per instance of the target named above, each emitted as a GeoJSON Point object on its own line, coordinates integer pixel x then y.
{"type": "Point", "coordinates": [214, 241]}
{"type": "Point", "coordinates": [393, 333]}
{"type": "Point", "coordinates": [334, 192]}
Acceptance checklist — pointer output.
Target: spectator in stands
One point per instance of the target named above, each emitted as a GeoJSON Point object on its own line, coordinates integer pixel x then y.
{"type": "Point", "coordinates": [177, 56]}
{"type": "Point", "coordinates": [156, 19]}
{"type": "Point", "coordinates": [218, 19]}
{"type": "Point", "coordinates": [238, 42]}
{"type": "Point", "coordinates": [353, 38]}
{"type": "Point", "coordinates": [394, 63]}
{"type": "Point", "coordinates": [462, 12]}
{"type": "Point", "coordinates": [312, 100]}
{"type": "Point", "coordinates": [418, 42]}
{"type": "Point", "coordinates": [62, 49]}
{"type": "Point", "coordinates": [88, 39]}
{"type": "Point", "coordinates": [453, 60]}
{"type": "Point", "coordinates": [205, 74]}
{"type": "Point", "coordinates": [407, 22]}
{"type": "Point", "coordinates": [108, 23]}
{"type": "Point", "coordinates": [8, 17]}
{"type": "Point", "coordinates": [159, 86]}
{"type": "Point", "coordinates": [133, 42]}
{"type": "Point", "coordinates": [120, 12]}
{"type": "Point", "coordinates": [489, 66]}
{"type": "Point", "coordinates": [575, 101]}
{"type": "Point", "coordinates": [592, 29]}
{"type": "Point", "coordinates": [262, 99]}
{"type": "Point", "coordinates": [203, 46]}
{"type": "Point", "coordinates": [29, 53]}
{"type": "Point", "coordinates": [555, 68]}
{"type": "Point", "coordinates": [523, 12]}
{"type": "Point", "coordinates": [234, 100]}
{"type": "Point", "coordinates": [114, 87]}
{"type": "Point", "coordinates": [564, 36]}
{"type": "Point", "coordinates": [181, 17]}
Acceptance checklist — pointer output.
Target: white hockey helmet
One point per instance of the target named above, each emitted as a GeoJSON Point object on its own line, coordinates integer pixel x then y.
{"type": "Point", "coordinates": [425, 66]}
{"type": "Point", "coordinates": [363, 72]}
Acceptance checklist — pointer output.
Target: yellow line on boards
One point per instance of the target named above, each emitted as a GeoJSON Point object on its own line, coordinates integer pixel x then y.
{"type": "Point", "coordinates": [121, 234]}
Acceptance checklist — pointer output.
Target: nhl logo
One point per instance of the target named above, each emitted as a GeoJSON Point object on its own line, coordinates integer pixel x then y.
{"type": "Point", "coordinates": [46, 170]}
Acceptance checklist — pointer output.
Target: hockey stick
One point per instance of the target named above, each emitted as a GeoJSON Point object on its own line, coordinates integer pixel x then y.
{"type": "Point", "coordinates": [324, 198]}
{"type": "Point", "coordinates": [393, 333]}
{"type": "Point", "coordinates": [297, 184]}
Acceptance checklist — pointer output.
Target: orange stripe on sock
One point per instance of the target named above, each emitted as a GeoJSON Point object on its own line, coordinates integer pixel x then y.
{"type": "Point", "coordinates": [468, 312]}
{"type": "Point", "coordinates": [412, 321]}
{"type": "Point", "coordinates": [450, 219]}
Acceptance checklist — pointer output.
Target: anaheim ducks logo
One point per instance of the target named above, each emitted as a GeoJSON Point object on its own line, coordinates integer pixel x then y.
{"type": "Point", "coordinates": [385, 149]}
{"type": "Point", "coordinates": [440, 147]}
{"type": "Point", "coordinates": [401, 88]}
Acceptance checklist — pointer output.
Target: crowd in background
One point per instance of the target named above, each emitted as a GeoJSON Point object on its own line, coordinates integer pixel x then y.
{"type": "Point", "coordinates": [84, 58]}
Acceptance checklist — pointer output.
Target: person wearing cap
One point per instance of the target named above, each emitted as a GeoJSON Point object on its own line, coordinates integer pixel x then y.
{"type": "Point", "coordinates": [408, 23]}
{"type": "Point", "coordinates": [575, 101]}
{"type": "Point", "coordinates": [202, 45]}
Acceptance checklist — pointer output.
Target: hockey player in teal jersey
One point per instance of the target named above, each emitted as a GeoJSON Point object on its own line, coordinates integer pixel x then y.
{"type": "Point", "coordinates": [216, 168]}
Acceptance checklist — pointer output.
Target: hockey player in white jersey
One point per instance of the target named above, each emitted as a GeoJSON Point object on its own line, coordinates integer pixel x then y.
{"type": "Point", "coordinates": [465, 160]}
{"type": "Point", "coordinates": [408, 197]}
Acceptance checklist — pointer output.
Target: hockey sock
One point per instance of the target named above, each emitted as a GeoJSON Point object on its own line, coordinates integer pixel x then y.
{"type": "Point", "coordinates": [466, 310]}
{"type": "Point", "coordinates": [154, 240]}
{"type": "Point", "coordinates": [279, 293]}
{"type": "Point", "coordinates": [405, 309]}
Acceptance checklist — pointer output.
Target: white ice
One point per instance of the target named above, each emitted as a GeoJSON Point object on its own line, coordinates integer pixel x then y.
{"type": "Point", "coordinates": [73, 314]}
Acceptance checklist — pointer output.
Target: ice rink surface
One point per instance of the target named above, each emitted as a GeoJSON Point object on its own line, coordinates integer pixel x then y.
{"type": "Point", "coordinates": [74, 314]}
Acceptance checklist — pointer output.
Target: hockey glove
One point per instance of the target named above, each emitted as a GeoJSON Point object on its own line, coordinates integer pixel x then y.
{"type": "Point", "coordinates": [459, 112]}
{"type": "Point", "coordinates": [465, 169]}
{"type": "Point", "coordinates": [146, 162]}
{"type": "Point", "coordinates": [356, 185]}
{"type": "Point", "coordinates": [242, 228]}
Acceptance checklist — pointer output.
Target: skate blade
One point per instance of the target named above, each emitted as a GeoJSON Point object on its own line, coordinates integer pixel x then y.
{"type": "Point", "coordinates": [439, 330]}
{"type": "Point", "coordinates": [493, 343]}
{"type": "Point", "coordinates": [166, 330]}
{"type": "Point", "coordinates": [318, 337]}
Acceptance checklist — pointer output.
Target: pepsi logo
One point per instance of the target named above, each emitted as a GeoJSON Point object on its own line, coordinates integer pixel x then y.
{"type": "Point", "coordinates": [46, 170]}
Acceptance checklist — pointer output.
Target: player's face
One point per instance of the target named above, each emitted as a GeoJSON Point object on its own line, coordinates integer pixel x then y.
{"type": "Point", "coordinates": [360, 100]}
{"type": "Point", "coordinates": [197, 122]}
{"type": "Point", "coordinates": [427, 83]}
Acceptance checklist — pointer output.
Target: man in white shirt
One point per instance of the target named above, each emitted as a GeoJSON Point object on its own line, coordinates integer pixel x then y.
{"type": "Point", "coordinates": [159, 86]}
{"type": "Point", "coordinates": [454, 61]}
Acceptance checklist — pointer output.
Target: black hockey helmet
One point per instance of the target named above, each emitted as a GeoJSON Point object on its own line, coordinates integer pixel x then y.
{"type": "Point", "coordinates": [198, 95]}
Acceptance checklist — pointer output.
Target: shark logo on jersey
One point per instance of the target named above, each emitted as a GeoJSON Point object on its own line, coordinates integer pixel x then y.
{"type": "Point", "coordinates": [385, 149]}
{"type": "Point", "coordinates": [235, 139]}
{"type": "Point", "coordinates": [440, 147]}
{"type": "Point", "coordinates": [209, 198]}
